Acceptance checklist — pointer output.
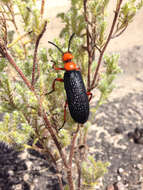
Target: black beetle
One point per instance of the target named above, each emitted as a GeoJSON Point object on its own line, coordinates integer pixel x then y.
{"type": "Point", "coordinates": [77, 97]}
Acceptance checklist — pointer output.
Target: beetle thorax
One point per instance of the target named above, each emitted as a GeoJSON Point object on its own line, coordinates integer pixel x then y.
{"type": "Point", "coordinates": [70, 66]}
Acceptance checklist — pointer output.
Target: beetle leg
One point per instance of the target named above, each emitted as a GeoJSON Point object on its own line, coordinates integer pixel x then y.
{"type": "Point", "coordinates": [65, 107]}
{"type": "Point", "coordinates": [56, 68]}
{"type": "Point", "coordinates": [89, 94]}
{"type": "Point", "coordinates": [53, 85]}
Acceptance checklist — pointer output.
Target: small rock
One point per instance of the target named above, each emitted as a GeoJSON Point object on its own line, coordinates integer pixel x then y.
{"type": "Point", "coordinates": [119, 178]}
{"type": "Point", "coordinates": [118, 130]}
{"type": "Point", "coordinates": [116, 186]}
{"type": "Point", "coordinates": [137, 135]}
{"type": "Point", "coordinates": [120, 170]}
{"type": "Point", "coordinates": [11, 173]}
{"type": "Point", "coordinates": [119, 186]}
{"type": "Point", "coordinates": [28, 164]}
{"type": "Point", "coordinates": [26, 177]}
{"type": "Point", "coordinates": [139, 166]}
{"type": "Point", "coordinates": [17, 187]}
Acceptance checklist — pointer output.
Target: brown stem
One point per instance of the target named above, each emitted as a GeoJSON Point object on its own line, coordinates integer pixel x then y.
{"type": "Point", "coordinates": [49, 127]}
{"type": "Point", "coordinates": [70, 180]}
{"type": "Point", "coordinates": [78, 164]}
{"type": "Point", "coordinates": [89, 62]}
{"type": "Point", "coordinates": [35, 53]}
{"type": "Point", "coordinates": [12, 62]}
{"type": "Point", "coordinates": [60, 183]}
{"type": "Point", "coordinates": [13, 18]}
{"type": "Point", "coordinates": [120, 32]}
{"type": "Point", "coordinates": [72, 146]}
{"type": "Point", "coordinates": [42, 7]}
{"type": "Point", "coordinates": [106, 43]}
{"type": "Point", "coordinates": [88, 42]}
{"type": "Point", "coordinates": [4, 26]}
{"type": "Point", "coordinates": [15, 25]}
{"type": "Point", "coordinates": [79, 174]}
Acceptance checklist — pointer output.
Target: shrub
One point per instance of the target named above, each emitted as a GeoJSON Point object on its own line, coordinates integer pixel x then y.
{"type": "Point", "coordinates": [26, 76]}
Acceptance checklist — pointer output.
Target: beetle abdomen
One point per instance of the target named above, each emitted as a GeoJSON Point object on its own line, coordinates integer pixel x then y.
{"type": "Point", "coordinates": [76, 96]}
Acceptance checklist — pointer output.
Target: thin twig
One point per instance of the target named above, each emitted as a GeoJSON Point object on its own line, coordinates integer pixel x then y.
{"type": "Point", "coordinates": [42, 7]}
{"type": "Point", "coordinates": [107, 41]}
{"type": "Point", "coordinates": [49, 127]}
{"type": "Point", "coordinates": [12, 62]}
{"type": "Point", "coordinates": [89, 39]}
{"type": "Point", "coordinates": [19, 38]}
{"type": "Point", "coordinates": [72, 146]}
{"type": "Point", "coordinates": [15, 25]}
{"type": "Point", "coordinates": [79, 175]}
{"type": "Point", "coordinates": [78, 161]}
{"type": "Point", "coordinates": [119, 33]}
{"type": "Point", "coordinates": [4, 27]}
{"type": "Point", "coordinates": [70, 180]}
{"type": "Point", "coordinates": [35, 53]}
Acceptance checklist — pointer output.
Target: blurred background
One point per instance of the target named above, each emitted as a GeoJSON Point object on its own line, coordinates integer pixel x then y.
{"type": "Point", "coordinates": [131, 37]}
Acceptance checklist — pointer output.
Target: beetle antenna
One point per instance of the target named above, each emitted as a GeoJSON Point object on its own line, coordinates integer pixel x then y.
{"type": "Point", "coordinates": [70, 41]}
{"type": "Point", "coordinates": [56, 47]}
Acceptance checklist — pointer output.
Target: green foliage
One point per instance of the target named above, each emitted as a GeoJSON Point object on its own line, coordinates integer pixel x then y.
{"type": "Point", "coordinates": [64, 137]}
{"type": "Point", "coordinates": [2, 64]}
{"type": "Point", "coordinates": [15, 98]}
{"type": "Point", "coordinates": [23, 109]}
{"type": "Point", "coordinates": [73, 19]}
{"type": "Point", "coordinates": [98, 13]}
{"type": "Point", "coordinates": [30, 13]}
{"type": "Point", "coordinates": [92, 171]}
{"type": "Point", "coordinates": [14, 129]}
{"type": "Point", "coordinates": [106, 85]}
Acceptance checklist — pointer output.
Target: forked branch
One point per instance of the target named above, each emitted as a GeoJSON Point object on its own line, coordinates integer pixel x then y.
{"type": "Point", "coordinates": [118, 6]}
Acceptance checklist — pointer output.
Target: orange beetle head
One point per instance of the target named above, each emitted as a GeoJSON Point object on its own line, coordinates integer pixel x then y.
{"type": "Point", "coordinates": [67, 56]}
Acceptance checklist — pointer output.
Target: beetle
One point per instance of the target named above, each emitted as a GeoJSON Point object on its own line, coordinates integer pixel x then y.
{"type": "Point", "coordinates": [77, 97]}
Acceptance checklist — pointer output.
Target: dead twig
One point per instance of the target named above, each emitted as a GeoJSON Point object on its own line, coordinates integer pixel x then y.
{"type": "Point", "coordinates": [35, 53]}
{"type": "Point", "coordinates": [106, 43]}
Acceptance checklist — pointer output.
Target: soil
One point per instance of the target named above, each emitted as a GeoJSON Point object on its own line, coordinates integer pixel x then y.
{"type": "Point", "coordinates": [116, 134]}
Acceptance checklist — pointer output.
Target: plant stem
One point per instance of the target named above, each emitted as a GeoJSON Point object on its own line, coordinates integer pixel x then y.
{"type": "Point", "coordinates": [70, 179]}
{"type": "Point", "coordinates": [10, 8]}
{"type": "Point", "coordinates": [88, 43]}
{"type": "Point", "coordinates": [79, 176]}
{"type": "Point", "coordinates": [49, 127]}
{"type": "Point", "coordinates": [73, 145]}
{"type": "Point", "coordinates": [106, 43]}
{"type": "Point", "coordinates": [35, 53]}
{"type": "Point", "coordinates": [12, 62]}
{"type": "Point", "coordinates": [42, 7]}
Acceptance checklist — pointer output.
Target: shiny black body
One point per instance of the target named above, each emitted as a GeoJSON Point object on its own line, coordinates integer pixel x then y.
{"type": "Point", "coordinates": [77, 98]}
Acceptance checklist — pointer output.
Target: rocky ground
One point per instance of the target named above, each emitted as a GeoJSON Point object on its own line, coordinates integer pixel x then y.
{"type": "Point", "coordinates": [116, 136]}
{"type": "Point", "coordinates": [118, 139]}
{"type": "Point", "coordinates": [118, 128]}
